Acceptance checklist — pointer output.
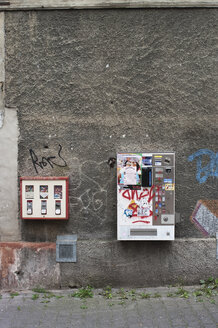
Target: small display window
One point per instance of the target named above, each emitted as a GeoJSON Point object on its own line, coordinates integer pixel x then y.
{"type": "Point", "coordinates": [29, 192]}
{"type": "Point", "coordinates": [57, 192]}
{"type": "Point", "coordinates": [43, 191]}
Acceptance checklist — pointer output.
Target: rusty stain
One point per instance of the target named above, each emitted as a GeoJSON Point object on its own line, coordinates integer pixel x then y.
{"type": "Point", "coordinates": [7, 259]}
{"type": "Point", "coordinates": [19, 245]}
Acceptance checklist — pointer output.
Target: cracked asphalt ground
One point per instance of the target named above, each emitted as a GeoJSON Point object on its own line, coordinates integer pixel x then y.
{"type": "Point", "coordinates": [161, 307]}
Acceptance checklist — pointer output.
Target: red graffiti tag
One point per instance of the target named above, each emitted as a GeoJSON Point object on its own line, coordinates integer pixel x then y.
{"type": "Point", "coordinates": [141, 221]}
{"type": "Point", "coordinates": [138, 195]}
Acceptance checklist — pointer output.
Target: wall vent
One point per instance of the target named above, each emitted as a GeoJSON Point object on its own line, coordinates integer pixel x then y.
{"type": "Point", "coordinates": [66, 248]}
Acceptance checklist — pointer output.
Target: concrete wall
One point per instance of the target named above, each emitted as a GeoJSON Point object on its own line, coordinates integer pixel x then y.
{"type": "Point", "coordinates": [9, 224]}
{"type": "Point", "coordinates": [90, 83]}
{"type": "Point", "coordinates": [98, 82]}
{"type": "Point", "coordinates": [102, 263]}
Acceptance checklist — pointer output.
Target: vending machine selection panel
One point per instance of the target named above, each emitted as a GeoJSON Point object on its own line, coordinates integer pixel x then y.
{"type": "Point", "coordinates": [44, 198]}
{"type": "Point", "coordinates": [146, 196]}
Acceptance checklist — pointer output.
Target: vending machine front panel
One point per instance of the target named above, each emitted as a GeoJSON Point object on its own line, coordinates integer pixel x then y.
{"type": "Point", "coordinates": [146, 196]}
{"type": "Point", "coordinates": [44, 198]}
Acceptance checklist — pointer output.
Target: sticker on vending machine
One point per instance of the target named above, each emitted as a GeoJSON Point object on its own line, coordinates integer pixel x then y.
{"type": "Point", "coordinates": [29, 192]}
{"type": "Point", "coordinates": [169, 186]}
{"type": "Point", "coordinates": [57, 192]}
{"type": "Point", "coordinates": [43, 191]}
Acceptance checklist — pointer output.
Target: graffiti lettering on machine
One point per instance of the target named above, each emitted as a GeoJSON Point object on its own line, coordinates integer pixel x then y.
{"type": "Point", "coordinates": [50, 160]}
{"type": "Point", "coordinates": [210, 169]}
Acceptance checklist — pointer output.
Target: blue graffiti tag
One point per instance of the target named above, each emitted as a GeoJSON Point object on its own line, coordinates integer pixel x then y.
{"type": "Point", "coordinates": [211, 169]}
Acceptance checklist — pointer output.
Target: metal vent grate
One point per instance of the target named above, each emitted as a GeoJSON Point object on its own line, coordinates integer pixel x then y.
{"type": "Point", "coordinates": [143, 232]}
{"type": "Point", "coordinates": [65, 251]}
{"type": "Point", "coordinates": [66, 248]}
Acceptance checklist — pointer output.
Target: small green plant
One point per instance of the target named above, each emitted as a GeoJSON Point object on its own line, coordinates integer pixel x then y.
{"type": "Point", "coordinates": [199, 300]}
{"type": "Point", "coordinates": [35, 297]}
{"type": "Point", "coordinates": [170, 295]}
{"type": "Point", "coordinates": [59, 296]}
{"type": "Point", "coordinates": [14, 294]}
{"type": "Point", "coordinates": [157, 295]}
{"type": "Point", "coordinates": [39, 290]}
{"type": "Point", "coordinates": [45, 301]}
{"type": "Point", "coordinates": [108, 292]}
{"type": "Point", "coordinates": [122, 302]}
{"type": "Point", "coordinates": [198, 293]}
{"type": "Point", "coordinates": [132, 292]}
{"type": "Point", "coordinates": [48, 295]}
{"type": "Point", "coordinates": [83, 307]}
{"type": "Point", "coordinates": [18, 308]}
{"type": "Point", "coordinates": [143, 295]}
{"type": "Point", "coordinates": [212, 301]}
{"type": "Point", "coordinates": [123, 294]}
{"type": "Point", "coordinates": [86, 292]}
{"type": "Point", "coordinates": [209, 286]}
{"type": "Point", "coordinates": [111, 304]}
{"type": "Point", "coordinates": [181, 292]}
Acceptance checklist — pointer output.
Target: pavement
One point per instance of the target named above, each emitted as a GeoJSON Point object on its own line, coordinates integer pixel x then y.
{"type": "Point", "coordinates": [162, 307]}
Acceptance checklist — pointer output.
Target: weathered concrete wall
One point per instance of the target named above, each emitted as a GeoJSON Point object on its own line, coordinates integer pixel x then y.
{"type": "Point", "coordinates": [138, 264]}
{"type": "Point", "coordinates": [98, 82]}
{"type": "Point", "coordinates": [9, 224]}
{"type": "Point", "coordinates": [102, 263]}
{"type": "Point", "coordinates": [9, 227]}
{"type": "Point", "coordinates": [28, 265]}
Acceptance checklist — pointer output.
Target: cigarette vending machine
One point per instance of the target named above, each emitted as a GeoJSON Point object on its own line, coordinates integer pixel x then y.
{"type": "Point", "coordinates": [146, 196]}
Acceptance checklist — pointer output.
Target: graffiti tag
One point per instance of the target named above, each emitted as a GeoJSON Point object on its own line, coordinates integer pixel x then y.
{"type": "Point", "coordinates": [133, 209]}
{"type": "Point", "coordinates": [211, 169]}
{"type": "Point", "coordinates": [47, 160]}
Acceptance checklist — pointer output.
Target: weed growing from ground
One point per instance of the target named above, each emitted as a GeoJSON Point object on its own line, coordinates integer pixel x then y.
{"type": "Point", "coordinates": [122, 294]}
{"type": "Point", "coordinates": [14, 294]}
{"type": "Point", "coordinates": [18, 308]}
{"type": "Point", "coordinates": [86, 292]}
{"type": "Point", "coordinates": [181, 292]}
{"type": "Point", "coordinates": [132, 292]}
{"type": "Point", "coordinates": [198, 293]}
{"type": "Point", "coordinates": [170, 295]}
{"type": "Point", "coordinates": [157, 295]}
{"type": "Point", "coordinates": [208, 287]}
{"type": "Point", "coordinates": [35, 297]}
{"type": "Point", "coordinates": [108, 292]}
{"type": "Point", "coordinates": [48, 295]}
{"type": "Point", "coordinates": [39, 290]}
{"type": "Point", "coordinates": [110, 304]}
{"type": "Point", "coordinates": [143, 295]}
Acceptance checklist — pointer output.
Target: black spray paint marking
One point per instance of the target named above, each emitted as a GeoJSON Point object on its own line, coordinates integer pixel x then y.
{"type": "Point", "coordinates": [46, 160]}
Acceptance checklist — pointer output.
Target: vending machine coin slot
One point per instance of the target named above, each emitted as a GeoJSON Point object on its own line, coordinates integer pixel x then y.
{"type": "Point", "coordinates": [43, 207]}
{"type": "Point", "coordinates": [29, 207]}
{"type": "Point", "coordinates": [57, 207]}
